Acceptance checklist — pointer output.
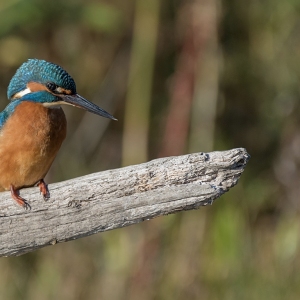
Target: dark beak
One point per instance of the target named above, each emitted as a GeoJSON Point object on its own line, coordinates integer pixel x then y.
{"type": "Point", "coordinates": [78, 101]}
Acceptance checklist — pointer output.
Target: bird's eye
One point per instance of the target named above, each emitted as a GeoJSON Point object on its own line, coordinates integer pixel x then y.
{"type": "Point", "coordinates": [51, 86]}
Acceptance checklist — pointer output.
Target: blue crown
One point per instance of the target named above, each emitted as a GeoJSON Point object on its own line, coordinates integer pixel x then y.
{"type": "Point", "coordinates": [41, 71]}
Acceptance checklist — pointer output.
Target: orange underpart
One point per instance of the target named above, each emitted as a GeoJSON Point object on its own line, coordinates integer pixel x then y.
{"type": "Point", "coordinates": [30, 140]}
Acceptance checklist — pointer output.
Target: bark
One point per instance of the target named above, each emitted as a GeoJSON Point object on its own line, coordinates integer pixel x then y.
{"type": "Point", "coordinates": [117, 198]}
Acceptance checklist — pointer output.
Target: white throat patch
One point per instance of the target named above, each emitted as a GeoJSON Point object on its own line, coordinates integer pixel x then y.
{"type": "Point", "coordinates": [53, 104]}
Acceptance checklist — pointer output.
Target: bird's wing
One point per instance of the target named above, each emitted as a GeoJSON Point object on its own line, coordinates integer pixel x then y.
{"type": "Point", "coordinates": [2, 119]}
{"type": "Point", "coordinates": [9, 109]}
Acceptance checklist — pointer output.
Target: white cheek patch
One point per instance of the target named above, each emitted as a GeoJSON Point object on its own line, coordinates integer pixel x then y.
{"type": "Point", "coordinates": [22, 93]}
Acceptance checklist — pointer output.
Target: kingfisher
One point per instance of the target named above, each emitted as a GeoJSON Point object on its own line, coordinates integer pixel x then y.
{"type": "Point", "coordinates": [33, 125]}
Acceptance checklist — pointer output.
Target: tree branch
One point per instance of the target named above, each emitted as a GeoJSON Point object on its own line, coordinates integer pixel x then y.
{"type": "Point", "coordinates": [117, 198]}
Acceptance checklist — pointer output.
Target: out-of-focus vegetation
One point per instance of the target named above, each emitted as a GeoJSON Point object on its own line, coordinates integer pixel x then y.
{"type": "Point", "coordinates": [181, 76]}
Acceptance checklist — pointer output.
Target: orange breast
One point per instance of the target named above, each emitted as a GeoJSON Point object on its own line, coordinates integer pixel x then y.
{"type": "Point", "coordinates": [29, 142]}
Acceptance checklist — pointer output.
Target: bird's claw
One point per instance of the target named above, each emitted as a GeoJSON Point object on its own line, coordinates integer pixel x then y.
{"type": "Point", "coordinates": [44, 189]}
{"type": "Point", "coordinates": [46, 197]}
{"type": "Point", "coordinates": [26, 205]}
{"type": "Point", "coordinates": [21, 201]}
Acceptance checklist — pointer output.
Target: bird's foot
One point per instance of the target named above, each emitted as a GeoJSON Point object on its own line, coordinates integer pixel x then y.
{"type": "Point", "coordinates": [44, 189]}
{"type": "Point", "coordinates": [21, 201]}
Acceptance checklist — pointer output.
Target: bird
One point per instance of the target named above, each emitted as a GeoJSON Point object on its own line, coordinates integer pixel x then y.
{"type": "Point", "coordinates": [33, 125]}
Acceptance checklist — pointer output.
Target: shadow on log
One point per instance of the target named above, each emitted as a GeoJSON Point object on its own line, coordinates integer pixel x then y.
{"type": "Point", "coordinates": [117, 198]}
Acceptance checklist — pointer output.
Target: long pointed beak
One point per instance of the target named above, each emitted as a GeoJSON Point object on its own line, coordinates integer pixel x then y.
{"type": "Point", "coordinates": [78, 101]}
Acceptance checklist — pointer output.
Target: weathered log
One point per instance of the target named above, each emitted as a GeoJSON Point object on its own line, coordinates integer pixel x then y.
{"type": "Point", "coordinates": [117, 198]}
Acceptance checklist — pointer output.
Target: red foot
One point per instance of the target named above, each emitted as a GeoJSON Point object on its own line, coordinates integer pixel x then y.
{"type": "Point", "coordinates": [44, 189]}
{"type": "Point", "coordinates": [15, 195]}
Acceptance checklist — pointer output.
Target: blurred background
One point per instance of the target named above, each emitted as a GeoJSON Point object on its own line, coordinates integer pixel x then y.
{"type": "Point", "coordinates": [181, 77]}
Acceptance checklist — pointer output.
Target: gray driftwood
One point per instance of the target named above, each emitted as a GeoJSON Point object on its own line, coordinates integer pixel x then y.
{"type": "Point", "coordinates": [116, 198]}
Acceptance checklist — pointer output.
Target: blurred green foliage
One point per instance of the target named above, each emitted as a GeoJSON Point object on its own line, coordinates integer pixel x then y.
{"type": "Point", "coordinates": [205, 75]}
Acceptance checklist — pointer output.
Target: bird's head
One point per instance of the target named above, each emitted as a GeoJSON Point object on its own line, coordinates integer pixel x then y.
{"type": "Point", "coordinates": [47, 83]}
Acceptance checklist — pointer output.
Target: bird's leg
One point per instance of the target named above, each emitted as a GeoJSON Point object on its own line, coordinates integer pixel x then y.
{"type": "Point", "coordinates": [44, 189]}
{"type": "Point", "coordinates": [21, 201]}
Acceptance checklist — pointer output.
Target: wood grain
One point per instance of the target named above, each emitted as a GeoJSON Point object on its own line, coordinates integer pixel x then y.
{"type": "Point", "coordinates": [117, 198]}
